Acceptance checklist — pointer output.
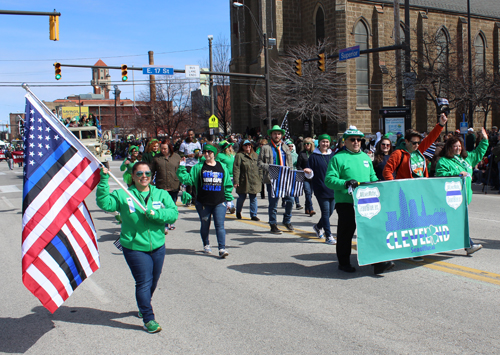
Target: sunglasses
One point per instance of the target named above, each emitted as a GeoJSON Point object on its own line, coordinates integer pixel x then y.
{"type": "Point", "coordinates": [355, 139]}
{"type": "Point", "coordinates": [140, 173]}
{"type": "Point", "coordinates": [385, 145]}
{"type": "Point", "coordinates": [307, 143]}
{"type": "Point", "coordinates": [207, 152]}
{"type": "Point", "coordinates": [415, 143]}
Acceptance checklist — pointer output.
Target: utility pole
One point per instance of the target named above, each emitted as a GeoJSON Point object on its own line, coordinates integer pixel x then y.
{"type": "Point", "coordinates": [211, 80]}
{"type": "Point", "coordinates": [407, 58]}
{"type": "Point", "coordinates": [117, 93]}
{"type": "Point", "coordinates": [471, 114]}
{"type": "Point", "coordinates": [397, 41]}
{"type": "Point", "coordinates": [152, 80]}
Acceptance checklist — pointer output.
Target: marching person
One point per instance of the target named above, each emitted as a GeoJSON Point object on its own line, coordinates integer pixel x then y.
{"type": "Point", "coordinates": [383, 151]}
{"type": "Point", "coordinates": [142, 233]}
{"type": "Point", "coordinates": [345, 170]}
{"type": "Point", "coordinates": [277, 153]}
{"type": "Point", "coordinates": [316, 171]}
{"type": "Point", "coordinates": [301, 165]}
{"type": "Point", "coordinates": [247, 179]}
{"type": "Point", "coordinates": [456, 161]}
{"type": "Point", "coordinates": [226, 157]}
{"type": "Point", "coordinates": [129, 163]}
{"type": "Point", "coordinates": [214, 188]}
{"type": "Point", "coordinates": [187, 150]}
{"type": "Point", "coordinates": [152, 150]}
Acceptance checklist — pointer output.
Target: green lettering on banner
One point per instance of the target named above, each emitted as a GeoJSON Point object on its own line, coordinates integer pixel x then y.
{"type": "Point", "coordinates": [406, 218]}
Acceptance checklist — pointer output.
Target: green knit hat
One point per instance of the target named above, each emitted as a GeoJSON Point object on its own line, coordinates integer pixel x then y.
{"type": "Point", "coordinates": [275, 128]}
{"type": "Point", "coordinates": [352, 131]}
{"type": "Point", "coordinates": [132, 147]}
{"type": "Point", "coordinates": [210, 148]}
{"type": "Point", "coordinates": [324, 136]}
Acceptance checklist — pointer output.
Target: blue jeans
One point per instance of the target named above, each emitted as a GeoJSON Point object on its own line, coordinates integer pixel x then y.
{"type": "Point", "coordinates": [146, 269]}
{"type": "Point", "coordinates": [308, 192]}
{"type": "Point", "coordinates": [253, 203]}
{"type": "Point", "coordinates": [326, 205]}
{"type": "Point", "coordinates": [273, 207]}
{"type": "Point", "coordinates": [219, 213]}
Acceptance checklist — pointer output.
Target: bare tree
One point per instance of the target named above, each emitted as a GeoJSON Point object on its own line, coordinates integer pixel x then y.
{"type": "Point", "coordinates": [315, 96]}
{"type": "Point", "coordinates": [171, 111]}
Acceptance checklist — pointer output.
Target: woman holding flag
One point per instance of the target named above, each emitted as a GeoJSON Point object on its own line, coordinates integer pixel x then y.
{"type": "Point", "coordinates": [142, 233]}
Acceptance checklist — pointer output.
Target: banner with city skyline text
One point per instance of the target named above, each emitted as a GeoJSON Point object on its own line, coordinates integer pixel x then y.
{"type": "Point", "coordinates": [406, 218]}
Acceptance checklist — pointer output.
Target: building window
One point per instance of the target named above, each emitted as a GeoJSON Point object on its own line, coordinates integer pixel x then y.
{"type": "Point", "coordinates": [320, 25]}
{"type": "Point", "coordinates": [442, 49]}
{"type": "Point", "coordinates": [362, 74]}
{"type": "Point", "coordinates": [479, 48]}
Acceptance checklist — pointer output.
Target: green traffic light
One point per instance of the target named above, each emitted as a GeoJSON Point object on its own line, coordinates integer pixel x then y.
{"type": "Point", "coordinates": [58, 76]}
{"type": "Point", "coordinates": [124, 78]}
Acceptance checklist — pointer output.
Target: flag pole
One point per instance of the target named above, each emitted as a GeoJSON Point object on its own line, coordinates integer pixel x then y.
{"type": "Point", "coordinates": [47, 110]}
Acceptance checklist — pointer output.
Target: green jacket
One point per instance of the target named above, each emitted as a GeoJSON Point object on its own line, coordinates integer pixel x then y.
{"type": "Point", "coordinates": [227, 160]}
{"type": "Point", "coordinates": [345, 166]}
{"type": "Point", "coordinates": [247, 174]}
{"type": "Point", "coordinates": [193, 178]}
{"type": "Point", "coordinates": [148, 157]}
{"type": "Point", "coordinates": [452, 167]}
{"type": "Point", "coordinates": [139, 232]}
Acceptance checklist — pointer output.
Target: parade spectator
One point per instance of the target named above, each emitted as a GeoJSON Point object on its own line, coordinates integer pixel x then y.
{"type": "Point", "coordinates": [187, 150]}
{"type": "Point", "coordinates": [276, 153]}
{"type": "Point", "coordinates": [345, 170]}
{"type": "Point", "coordinates": [129, 163]}
{"type": "Point", "coordinates": [214, 188]}
{"type": "Point", "coordinates": [152, 150]}
{"type": "Point", "coordinates": [295, 156]}
{"type": "Point", "coordinates": [383, 151]}
{"type": "Point", "coordinates": [226, 157]}
{"type": "Point", "coordinates": [141, 237]}
{"type": "Point", "coordinates": [456, 161]}
{"type": "Point", "coordinates": [301, 165]}
{"type": "Point", "coordinates": [470, 140]}
{"type": "Point", "coordinates": [299, 144]}
{"type": "Point", "coordinates": [247, 179]}
{"type": "Point", "coordinates": [316, 171]}
{"type": "Point", "coordinates": [164, 167]}
{"type": "Point", "coordinates": [9, 158]}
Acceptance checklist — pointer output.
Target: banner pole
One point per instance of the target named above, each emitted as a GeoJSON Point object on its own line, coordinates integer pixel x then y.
{"type": "Point", "coordinates": [55, 119]}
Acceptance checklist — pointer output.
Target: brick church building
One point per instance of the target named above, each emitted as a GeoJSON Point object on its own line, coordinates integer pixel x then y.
{"type": "Point", "coordinates": [369, 24]}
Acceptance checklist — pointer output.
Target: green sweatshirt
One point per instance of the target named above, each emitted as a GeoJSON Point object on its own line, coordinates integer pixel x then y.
{"type": "Point", "coordinates": [453, 167]}
{"type": "Point", "coordinates": [193, 178]}
{"type": "Point", "coordinates": [139, 232]}
{"type": "Point", "coordinates": [345, 166]}
{"type": "Point", "coordinates": [227, 160]}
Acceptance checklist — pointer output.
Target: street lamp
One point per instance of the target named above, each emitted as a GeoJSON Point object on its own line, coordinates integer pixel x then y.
{"type": "Point", "coordinates": [265, 43]}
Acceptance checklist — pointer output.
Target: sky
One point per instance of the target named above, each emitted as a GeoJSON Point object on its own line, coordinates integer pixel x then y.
{"type": "Point", "coordinates": [118, 32]}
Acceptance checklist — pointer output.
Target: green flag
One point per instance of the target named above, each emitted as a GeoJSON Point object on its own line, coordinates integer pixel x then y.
{"type": "Point", "coordinates": [406, 218]}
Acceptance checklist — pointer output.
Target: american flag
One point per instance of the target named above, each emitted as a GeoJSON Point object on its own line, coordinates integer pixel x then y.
{"type": "Point", "coordinates": [284, 125]}
{"type": "Point", "coordinates": [286, 181]}
{"type": "Point", "coordinates": [59, 247]}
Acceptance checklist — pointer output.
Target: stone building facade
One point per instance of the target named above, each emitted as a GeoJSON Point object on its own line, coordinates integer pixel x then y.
{"type": "Point", "coordinates": [370, 24]}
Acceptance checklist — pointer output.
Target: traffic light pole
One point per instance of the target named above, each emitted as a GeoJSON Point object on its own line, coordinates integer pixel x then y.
{"type": "Point", "coordinates": [268, 88]}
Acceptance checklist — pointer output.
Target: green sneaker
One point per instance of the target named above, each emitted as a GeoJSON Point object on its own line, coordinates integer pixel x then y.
{"type": "Point", "coordinates": [152, 326]}
{"type": "Point", "coordinates": [139, 315]}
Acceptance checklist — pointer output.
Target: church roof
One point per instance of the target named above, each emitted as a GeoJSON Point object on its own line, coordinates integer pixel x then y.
{"type": "Point", "coordinates": [100, 63]}
{"type": "Point", "coordinates": [486, 8]}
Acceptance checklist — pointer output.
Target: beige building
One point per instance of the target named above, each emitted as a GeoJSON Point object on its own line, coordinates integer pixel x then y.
{"type": "Point", "coordinates": [370, 24]}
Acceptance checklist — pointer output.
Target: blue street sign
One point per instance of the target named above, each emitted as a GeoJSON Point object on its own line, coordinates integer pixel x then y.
{"type": "Point", "coordinates": [157, 70]}
{"type": "Point", "coordinates": [349, 53]}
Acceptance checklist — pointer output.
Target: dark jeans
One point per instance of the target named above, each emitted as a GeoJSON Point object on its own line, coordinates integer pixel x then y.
{"type": "Point", "coordinates": [219, 213]}
{"type": "Point", "coordinates": [174, 195]}
{"type": "Point", "coordinates": [191, 189]}
{"type": "Point", "coordinates": [253, 203]}
{"type": "Point", "coordinates": [273, 207]}
{"type": "Point", "coordinates": [345, 232]}
{"type": "Point", "coordinates": [308, 192]}
{"type": "Point", "coordinates": [326, 205]}
{"type": "Point", "coordinates": [146, 269]}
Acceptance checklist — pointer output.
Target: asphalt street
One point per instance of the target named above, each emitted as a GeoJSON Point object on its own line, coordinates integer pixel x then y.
{"type": "Point", "coordinates": [273, 294]}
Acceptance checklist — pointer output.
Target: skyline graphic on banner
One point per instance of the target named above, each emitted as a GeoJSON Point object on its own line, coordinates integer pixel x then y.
{"type": "Point", "coordinates": [409, 217]}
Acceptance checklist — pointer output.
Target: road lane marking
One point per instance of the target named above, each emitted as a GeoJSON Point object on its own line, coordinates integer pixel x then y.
{"type": "Point", "coordinates": [9, 188]}
{"type": "Point", "coordinates": [98, 292]}
{"type": "Point", "coordinates": [7, 202]}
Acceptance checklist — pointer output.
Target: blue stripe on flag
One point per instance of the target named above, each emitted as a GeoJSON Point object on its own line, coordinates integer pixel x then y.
{"type": "Point", "coordinates": [61, 248]}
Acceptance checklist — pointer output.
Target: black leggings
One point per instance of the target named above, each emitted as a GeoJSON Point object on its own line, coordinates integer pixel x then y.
{"type": "Point", "coordinates": [345, 232]}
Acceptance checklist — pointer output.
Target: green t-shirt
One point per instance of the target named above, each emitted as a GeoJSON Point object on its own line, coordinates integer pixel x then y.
{"type": "Point", "coordinates": [417, 162]}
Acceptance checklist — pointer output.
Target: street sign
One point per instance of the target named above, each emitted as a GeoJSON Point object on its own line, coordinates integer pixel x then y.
{"type": "Point", "coordinates": [464, 126]}
{"type": "Point", "coordinates": [192, 71]}
{"type": "Point", "coordinates": [213, 122]}
{"type": "Point", "coordinates": [349, 53]}
{"type": "Point", "coordinates": [157, 70]}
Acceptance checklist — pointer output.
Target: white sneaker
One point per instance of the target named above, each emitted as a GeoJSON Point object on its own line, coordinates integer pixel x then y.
{"type": "Point", "coordinates": [473, 248]}
{"type": "Point", "coordinates": [223, 253]}
{"type": "Point", "coordinates": [319, 232]}
{"type": "Point", "coordinates": [331, 240]}
{"type": "Point", "coordinates": [207, 249]}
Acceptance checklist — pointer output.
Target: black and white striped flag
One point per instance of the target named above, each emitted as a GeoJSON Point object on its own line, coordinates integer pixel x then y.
{"type": "Point", "coordinates": [284, 125]}
{"type": "Point", "coordinates": [286, 181]}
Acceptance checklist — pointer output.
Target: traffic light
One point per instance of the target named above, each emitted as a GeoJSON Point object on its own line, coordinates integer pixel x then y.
{"type": "Point", "coordinates": [57, 68]}
{"type": "Point", "coordinates": [298, 67]}
{"type": "Point", "coordinates": [54, 28]}
{"type": "Point", "coordinates": [124, 72]}
{"type": "Point", "coordinates": [321, 62]}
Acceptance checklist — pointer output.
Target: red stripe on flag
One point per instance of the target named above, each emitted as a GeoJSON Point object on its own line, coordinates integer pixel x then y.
{"type": "Point", "coordinates": [39, 293]}
{"type": "Point", "coordinates": [82, 243]}
{"type": "Point", "coordinates": [52, 277]}
{"type": "Point", "coordinates": [88, 223]}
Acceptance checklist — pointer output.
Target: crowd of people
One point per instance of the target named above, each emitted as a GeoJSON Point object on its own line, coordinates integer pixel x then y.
{"type": "Point", "coordinates": [206, 171]}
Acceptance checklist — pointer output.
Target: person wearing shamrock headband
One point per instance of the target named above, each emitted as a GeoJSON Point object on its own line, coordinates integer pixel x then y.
{"type": "Point", "coordinates": [345, 170]}
{"type": "Point", "coordinates": [278, 153]}
{"type": "Point", "coordinates": [456, 161]}
{"type": "Point", "coordinates": [129, 163]}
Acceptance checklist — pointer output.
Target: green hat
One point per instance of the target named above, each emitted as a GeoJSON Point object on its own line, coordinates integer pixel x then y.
{"type": "Point", "coordinates": [275, 128]}
{"type": "Point", "coordinates": [324, 136]}
{"type": "Point", "coordinates": [210, 148]}
{"type": "Point", "coordinates": [132, 147]}
{"type": "Point", "coordinates": [352, 131]}
{"type": "Point", "coordinates": [224, 145]}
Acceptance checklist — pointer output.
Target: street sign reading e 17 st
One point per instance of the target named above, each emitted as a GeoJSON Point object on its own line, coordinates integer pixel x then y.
{"type": "Point", "coordinates": [157, 70]}
{"type": "Point", "coordinates": [349, 53]}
